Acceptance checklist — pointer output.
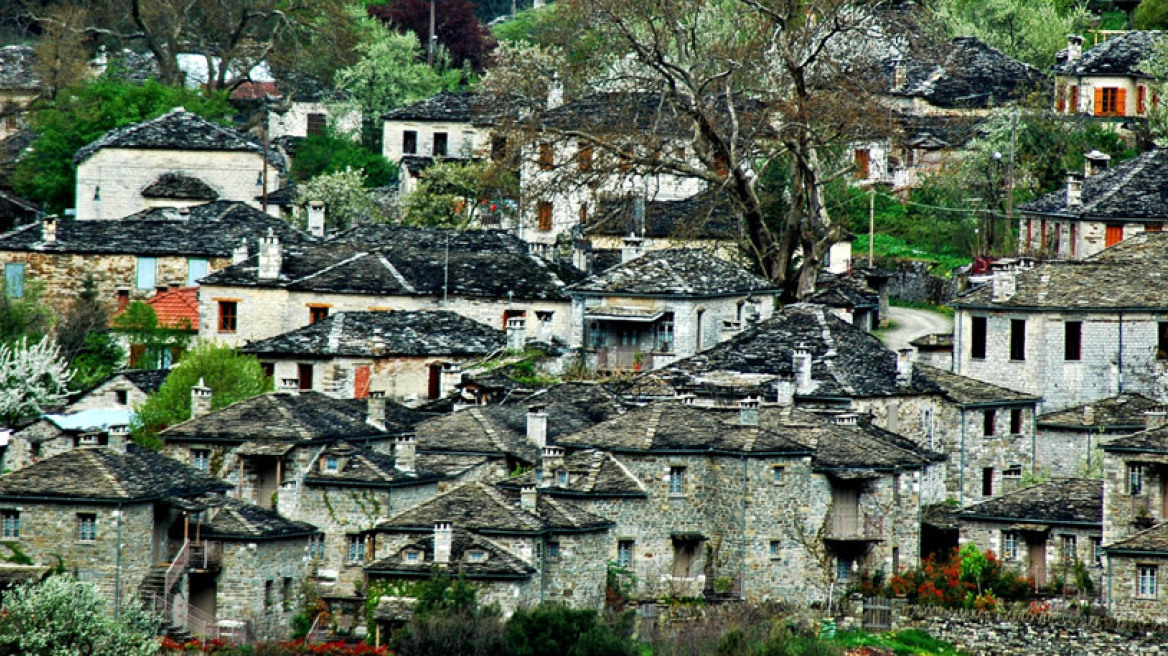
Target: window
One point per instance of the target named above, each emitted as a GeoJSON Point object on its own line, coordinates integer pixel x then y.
{"type": "Point", "coordinates": [664, 329]}
{"type": "Point", "coordinates": [1135, 480]}
{"type": "Point", "coordinates": [677, 480]}
{"type": "Point", "coordinates": [286, 593]}
{"type": "Point", "coordinates": [355, 553]}
{"type": "Point", "coordinates": [989, 418]}
{"type": "Point", "coordinates": [316, 547]}
{"type": "Point", "coordinates": [269, 369]}
{"type": "Point", "coordinates": [777, 475]}
{"type": "Point", "coordinates": [553, 549]}
{"type": "Point", "coordinates": [1146, 583]}
{"type": "Point", "coordinates": [595, 334]}
{"type": "Point", "coordinates": [1016, 421]}
{"type": "Point", "coordinates": [1074, 102]}
{"type": "Point", "coordinates": [546, 160]}
{"type": "Point", "coordinates": [583, 213]}
{"type": "Point", "coordinates": [1009, 545]}
{"type": "Point", "coordinates": [863, 162]}
{"type": "Point", "coordinates": [476, 555]}
{"type": "Point", "coordinates": [316, 124]}
{"type": "Point", "coordinates": [10, 524]}
{"type": "Point", "coordinates": [201, 459]}
{"type": "Point", "coordinates": [498, 147]}
{"type": "Point", "coordinates": [1067, 548]}
{"type": "Point", "coordinates": [624, 553]}
{"type": "Point", "coordinates": [330, 463]}
{"type": "Point", "coordinates": [1073, 340]}
{"type": "Point", "coordinates": [227, 316]}
{"type": "Point", "coordinates": [440, 144]}
{"type": "Point", "coordinates": [977, 338]}
{"type": "Point", "coordinates": [987, 482]}
{"type": "Point", "coordinates": [544, 316]}
{"type": "Point", "coordinates": [409, 142]}
{"type": "Point", "coordinates": [543, 213]}
{"type": "Point", "coordinates": [317, 313]}
{"type": "Point", "coordinates": [562, 477]}
{"type": "Point", "coordinates": [268, 593]}
{"type": "Point", "coordinates": [1110, 101]}
{"type": "Point", "coordinates": [1162, 340]}
{"type": "Point", "coordinates": [775, 549]}
{"type": "Point", "coordinates": [122, 397]}
{"type": "Point", "coordinates": [86, 527]}
{"type": "Point", "coordinates": [14, 279]}
{"type": "Point", "coordinates": [843, 569]}
{"type": "Point", "coordinates": [123, 299]}
{"type": "Point", "coordinates": [147, 272]}
{"type": "Point", "coordinates": [1017, 339]}
{"type": "Point", "coordinates": [584, 156]}
{"type": "Point", "coordinates": [304, 372]}
{"type": "Point", "coordinates": [1097, 549]}
{"type": "Point", "coordinates": [412, 556]}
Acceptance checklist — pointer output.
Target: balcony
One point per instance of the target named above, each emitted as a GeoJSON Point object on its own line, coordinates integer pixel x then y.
{"type": "Point", "coordinates": [205, 556]}
{"type": "Point", "coordinates": [622, 358]}
{"type": "Point", "coordinates": [853, 526]}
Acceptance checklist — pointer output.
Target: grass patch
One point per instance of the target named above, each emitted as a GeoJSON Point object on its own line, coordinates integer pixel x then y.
{"type": "Point", "coordinates": [896, 247]}
{"type": "Point", "coordinates": [910, 642]}
{"type": "Point", "coordinates": [917, 305]}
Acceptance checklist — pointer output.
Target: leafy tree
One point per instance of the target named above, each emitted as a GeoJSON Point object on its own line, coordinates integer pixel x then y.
{"type": "Point", "coordinates": [458, 29]}
{"type": "Point", "coordinates": [32, 376]}
{"type": "Point", "coordinates": [346, 196]}
{"type": "Point", "coordinates": [230, 376]}
{"type": "Point", "coordinates": [333, 151]}
{"type": "Point", "coordinates": [556, 629]}
{"type": "Point", "coordinates": [1151, 15]}
{"type": "Point", "coordinates": [83, 336]}
{"type": "Point", "coordinates": [24, 317]}
{"type": "Point", "coordinates": [449, 620]}
{"type": "Point", "coordinates": [79, 115]}
{"type": "Point", "coordinates": [1156, 66]}
{"type": "Point", "coordinates": [156, 344]}
{"type": "Point", "coordinates": [459, 194]}
{"type": "Point", "coordinates": [529, 25]}
{"type": "Point", "coordinates": [61, 616]}
{"type": "Point", "coordinates": [1029, 30]}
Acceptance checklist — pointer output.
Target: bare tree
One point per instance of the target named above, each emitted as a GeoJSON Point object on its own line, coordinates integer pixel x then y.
{"type": "Point", "coordinates": [715, 92]}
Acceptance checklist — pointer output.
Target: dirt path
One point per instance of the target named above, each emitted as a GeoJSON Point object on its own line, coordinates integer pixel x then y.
{"type": "Point", "coordinates": [910, 323]}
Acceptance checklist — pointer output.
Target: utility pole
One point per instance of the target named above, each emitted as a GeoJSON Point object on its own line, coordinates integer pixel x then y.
{"type": "Point", "coordinates": [264, 174]}
{"type": "Point", "coordinates": [1010, 174]}
{"type": "Point", "coordinates": [430, 43]}
{"type": "Point", "coordinates": [871, 226]}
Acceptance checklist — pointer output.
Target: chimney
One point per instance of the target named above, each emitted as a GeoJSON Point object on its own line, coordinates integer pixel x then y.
{"type": "Point", "coordinates": [1074, 48]}
{"type": "Point", "coordinates": [1005, 284]}
{"type": "Point", "coordinates": [634, 247]}
{"type": "Point", "coordinates": [537, 425]}
{"type": "Point", "coordinates": [516, 333]}
{"type": "Point", "coordinates": [271, 256]}
{"type": "Point", "coordinates": [784, 392]}
{"type": "Point", "coordinates": [405, 453]}
{"type": "Point", "coordinates": [582, 255]}
{"type": "Point", "coordinates": [119, 437]}
{"type": "Point", "coordinates": [240, 255]}
{"type": "Point", "coordinates": [904, 366]}
{"type": "Point", "coordinates": [316, 218]}
{"type": "Point", "coordinates": [801, 363]}
{"type": "Point", "coordinates": [899, 74]}
{"type": "Point", "coordinates": [845, 419]}
{"type": "Point", "coordinates": [688, 399]}
{"type": "Point", "coordinates": [200, 400]}
{"type": "Point", "coordinates": [748, 411]}
{"type": "Point", "coordinates": [551, 458]}
{"type": "Point", "coordinates": [1154, 419]}
{"type": "Point", "coordinates": [375, 412]}
{"type": "Point", "coordinates": [1096, 162]}
{"type": "Point", "coordinates": [527, 497]}
{"type": "Point", "coordinates": [1088, 415]}
{"type": "Point", "coordinates": [290, 385]}
{"type": "Point", "coordinates": [451, 377]}
{"type": "Point", "coordinates": [443, 536]}
{"type": "Point", "coordinates": [49, 229]}
{"type": "Point", "coordinates": [1074, 191]}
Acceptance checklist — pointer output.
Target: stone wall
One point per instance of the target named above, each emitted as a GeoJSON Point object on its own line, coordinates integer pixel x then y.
{"type": "Point", "coordinates": [913, 281]}
{"type": "Point", "coordinates": [1125, 513]}
{"type": "Point", "coordinates": [990, 536]}
{"type": "Point", "coordinates": [260, 583]}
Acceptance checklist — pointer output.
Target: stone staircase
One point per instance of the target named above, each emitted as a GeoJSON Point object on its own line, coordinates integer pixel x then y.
{"type": "Point", "coordinates": [154, 595]}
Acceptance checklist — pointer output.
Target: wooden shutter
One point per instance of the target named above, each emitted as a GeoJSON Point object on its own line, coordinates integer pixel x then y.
{"type": "Point", "coordinates": [1141, 100]}
{"type": "Point", "coordinates": [863, 163]}
{"type": "Point", "coordinates": [1120, 102]}
{"type": "Point", "coordinates": [1074, 98]}
{"type": "Point", "coordinates": [1114, 235]}
{"type": "Point", "coordinates": [361, 383]}
{"type": "Point", "coordinates": [544, 214]}
{"type": "Point", "coordinates": [1099, 102]}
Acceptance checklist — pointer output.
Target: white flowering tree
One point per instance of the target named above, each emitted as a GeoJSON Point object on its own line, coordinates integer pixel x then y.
{"type": "Point", "coordinates": [32, 376]}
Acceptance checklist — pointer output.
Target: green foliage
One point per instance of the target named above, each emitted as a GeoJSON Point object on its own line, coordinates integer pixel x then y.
{"type": "Point", "coordinates": [910, 642]}
{"type": "Point", "coordinates": [1030, 30]}
{"type": "Point", "coordinates": [620, 581]}
{"type": "Point", "coordinates": [896, 247]}
{"type": "Point", "coordinates": [553, 629]}
{"type": "Point", "coordinates": [79, 115]}
{"type": "Point", "coordinates": [443, 594]}
{"type": "Point", "coordinates": [16, 555]}
{"type": "Point", "coordinates": [86, 344]}
{"type": "Point", "coordinates": [529, 25]}
{"type": "Point", "coordinates": [62, 617]}
{"type": "Point", "coordinates": [139, 324]}
{"type": "Point", "coordinates": [230, 376]}
{"type": "Point", "coordinates": [448, 620]}
{"type": "Point", "coordinates": [332, 151]}
{"type": "Point", "coordinates": [1034, 476]}
{"type": "Point", "coordinates": [965, 578]}
{"type": "Point", "coordinates": [459, 194]}
{"type": "Point", "coordinates": [24, 317]}
{"type": "Point", "coordinates": [346, 196]}
{"type": "Point", "coordinates": [100, 355]}
{"type": "Point", "coordinates": [1156, 66]}
{"type": "Point", "coordinates": [1151, 15]}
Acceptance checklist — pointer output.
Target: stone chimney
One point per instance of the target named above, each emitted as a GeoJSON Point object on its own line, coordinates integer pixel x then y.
{"type": "Point", "coordinates": [1154, 419]}
{"type": "Point", "coordinates": [537, 420]}
{"type": "Point", "coordinates": [527, 497]}
{"type": "Point", "coordinates": [1005, 284]}
{"type": "Point", "coordinates": [443, 537]}
{"type": "Point", "coordinates": [784, 392]}
{"type": "Point", "coordinates": [904, 366]}
{"type": "Point", "coordinates": [271, 257]}
{"type": "Point", "coordinates": [551, 458]}
{"type": "Point", "coordinates": [582, 255]}
{"type": "Point", "coordinates": [450, 378]}
{"type": "Point", "coordinates": [748, 411]}
{"type": "Point", "coordinates": [1088, 415]}
{"type": "Point", "coordinates": [1074, 191]}
{"type": "Point", "coordinates": [633, 248]}
{"type": "Point", "coordinates": [49, 229]}
{"type": "Point", "coordinates": [1096, 162]}
{"type": "Point", "coordinates": [516, 333]}
{"type": "Point", "coordinates": [405, 453]}
{"type": "Point", "coordinates": [1074, 48]}
{"type": "Point", "coordinates": [316, 218]}
{"type": "Point", "coordinates": [375, 409]}
{"type": "Point", "coordinates": [119, 437]}
{"type": "Point", "coordinates": [801, 363]}
{"type": "Point", "coordinates": [899, 74]}
{"type": "Point", "coordinates": [240, 254]}
{"type": "Point", "coordinates": [844, 419]}
{"type": "Point", "coordinates": [688, 399]}
{"type": "Point", "coordinates": [200, 400]}
{"type": "Point", "coordinates": [290, 385]}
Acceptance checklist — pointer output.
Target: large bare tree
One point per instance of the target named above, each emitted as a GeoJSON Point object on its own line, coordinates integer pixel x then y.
{"type": "Point", "coordinates": [713, 90]}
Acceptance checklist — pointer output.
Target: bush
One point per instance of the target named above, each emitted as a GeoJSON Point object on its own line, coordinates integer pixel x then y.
{"type": "Point", "coordinates": [966, 578]}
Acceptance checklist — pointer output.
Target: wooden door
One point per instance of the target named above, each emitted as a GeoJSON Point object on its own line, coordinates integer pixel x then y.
{"type": "Point", "coordinates": [1114, 235]}
{"type": "Point", "coordinates": [361, 383]}
{"type": "Point", "coordinates": [1037, 560]}
{"type": "Point", "coordinates": [435, 389]}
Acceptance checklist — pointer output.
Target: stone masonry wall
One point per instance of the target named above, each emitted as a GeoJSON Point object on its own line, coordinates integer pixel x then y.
{"type": "Point", "coordinates": [249, 568]}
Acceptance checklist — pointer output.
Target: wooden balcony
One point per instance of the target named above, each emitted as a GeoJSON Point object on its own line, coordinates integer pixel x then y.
{"type": "Point", "coordinates": [853, 526]}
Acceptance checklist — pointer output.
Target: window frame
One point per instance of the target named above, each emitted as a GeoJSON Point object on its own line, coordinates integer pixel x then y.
{"type": "Point", "coordinates": [989, 422]}
{"type": "Point", "coordinates": [145, 272]}
{"type": "Point", "coordinates": [409, 142]}
{"type": "Point", "coordinates": [1146, 583]}
{"type": "Point", "coordinates": [317, 313]}
{"type": "Point", "coordinates": [10, 520]}
{"type": "Point", "coordinates": [354, 549]}
{"type": "Point", "coordinates": [201, 459]}
{"type": "Point", "coordinates": [544, 215]}
{"type": "Point", "coordinates": [443, 139]}
{"type": "Point", "coordinates": [677, 481]}
{"type": "Point", "coordinates": [1162, 340]}
{"type": "Point", "coordinates": [315, 547]}
{"type": "Point", "coordinates": [87, 527]}
{"type": "Point", "coordinates": [1017, 340]}
{"type": "Point", "coordinates": [1135, 479]}
{"type": "Point", "coordinates": [228, 322]}
{"type": "Point", "coordinates": [1009, 545]}
{"type": "Point", "coordinates": [1073, 341]}
{"type": "Point", "coordinates": [14, 277]}
{"type": "Point", "coordinates": [1017, 421]}
{"type": "Point", "coordinates": [624, 552]}
{"type": "Point", "coordinates": [978, 337]}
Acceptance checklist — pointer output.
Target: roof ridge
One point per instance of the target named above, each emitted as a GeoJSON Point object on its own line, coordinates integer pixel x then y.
{"type": "Point", "coordinates": [322, 271]}
{"type": "Point", "coordinates": [395, 273]}
{"type": "Point", "coordinates": [102, 466]}
{"type": "Point", "coordinates": [653, 424]}
{"type": "Point", "coordinates": [1138, 166]}
{"type": "Point", "coordinates": [597, 461]}
{"type": "Point", "coordinates": [488, 428]}
{"type": "Point", "coordinates": [513, 510]}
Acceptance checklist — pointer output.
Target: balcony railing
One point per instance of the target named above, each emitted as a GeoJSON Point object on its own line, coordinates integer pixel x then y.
{"type": "Point", "coordinates": [616, 358]}
{"type": "Point", "coordinates": [854, 525]}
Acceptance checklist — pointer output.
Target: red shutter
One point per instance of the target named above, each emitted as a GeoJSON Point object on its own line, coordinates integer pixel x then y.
{"type": "Point", "coordinates": [1099, 102]}
{"type": "Point", "coordinates": [1074, 99]}
{"type": "Point", "coordinates": [1141, 100]}
{"type": "Point", "coordinates": [1120, 102]}
{"type": "Point", "coordinates": [1114, 235]}
{"type": "Point", "coordinates": [863, 164]}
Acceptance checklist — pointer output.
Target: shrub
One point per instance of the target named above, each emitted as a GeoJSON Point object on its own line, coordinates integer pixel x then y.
{"type": "Point", "coordinates": [966, 578]}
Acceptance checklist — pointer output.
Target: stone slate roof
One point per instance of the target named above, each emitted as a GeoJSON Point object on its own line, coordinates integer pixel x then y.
{"type": "Point", "coordinates": [933, 342]}
{"type": "Point", "coordinates": [99, 474]}
{"type": "Point", "coordinates": [284, 417]}
{"type": "Point", "coordinates": [970, 74]}
{"type": "Point", "coordinates": [846, 361]}
{"type": "Point", "coordinates": [146, 380]}
{"type": "Point", "coordinates": [675, 272]}
{"type": "Point", "coordinates": [1147, 441]}
{"type": "Point", "coordinates": [1130, 274]}
{"type": "Point", "coordinates": [385, 334]}
{"type": "Point", "coordinates": [1150, 541]}
{"type": "Point", "coordinates": [178, 185]}
{"type": "Point", "coordinates": [1119, 55]}
{"type": "Point", "coordinates": [391, 261]}
{"type": "Point", "coordinates": [928, 132]}
{"type": "Point", "coordinates": [971, 392]}
{"type": "Point", "coordinates": [502, 428]}
{"type": "Point", "coordinates": [366, 468]}
{"type": "Point", "coordinates": [1059, 501]}
{"type": "Point", "coordinates": [18, 68]}
{"type": "Point", "coordinates": [177, 129]}
{"type": "Point", "coordinates": [232, 519]}
{"type": "Point", "coordinates": [701, 216]}
{"type": "Point", "coordinates": [591, 473]}
{"type": "Point", "coordinates": [484, 508]}
{"type": "Point", "coordinates": [1125, 411]}
{"type": "Point", "coordinates": [500, 563]}
{"type": "Point", "coordinates": [1132, 191]}
{"type": "Point", "coordinates": [862, 445]}
{"type": "Point", "coordinates": [212, 230]}
{"type": "Point", "coordinates": [844, 292]}
{"type": "Point", "coordinates": [445, 107]}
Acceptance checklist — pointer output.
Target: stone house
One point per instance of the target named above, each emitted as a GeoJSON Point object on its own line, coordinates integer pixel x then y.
{"type": "Point", "coordinates": [850, 298]}
{"type": "Point", "coordinates": [1098, 209]}
{"type": "Point", "coordinates": [409, 355]}
{"type": "Point", "coordinates": [176, 160]}
{"type": "Point", "coordinates": [657, 307]}
{"type": "Point", "coordinates": [1071, 332]}
{"type": "Point", "coordinates": [1136, 566]}
{"type": "Point", "coordinates": [443, 126]}
{"type": "Point", "coordinates": [1105, 81]}
{"type": "Point", "coordinates": [134, 257]}
{"type": "Point", "coordinates": [487, 276]}
{"type": "Point", "coordinates": [705, 220]}
{"type": "Point", "coordinates": [53, 434]}
{"type": "Point", "coordinates": [121, 390]}
{"type": "Point", "coordinates": [934, 350]}
{"type": "Point", "coordinates": [755, 503]}
{"type": "Point", "coordinates": [521, 548]}
{"type": "Point", "coordinates": [1135, 471]}
{"type": "Point", "coordinates": [19, 87]}
{"type": "Point", "coordinates": [1070, 440]}
{"type": "Point", "coordinates": [1043, 531]}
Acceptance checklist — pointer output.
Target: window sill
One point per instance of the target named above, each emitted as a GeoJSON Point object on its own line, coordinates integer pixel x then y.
{"type": "Point", "coordinates": [678, 495]}
{"type": "Point", "coordinates": [226, 332]}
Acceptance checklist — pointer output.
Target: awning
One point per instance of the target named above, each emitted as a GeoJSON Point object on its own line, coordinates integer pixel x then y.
{"type": "Point", "coordinates": [1030, 528]}
{"type": "Point", "coordinates": [647, 315]}
{"type": "Point", "coordinates": [265, 448]}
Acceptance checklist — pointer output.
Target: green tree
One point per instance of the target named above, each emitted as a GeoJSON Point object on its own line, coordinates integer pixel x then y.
{"type": "Point", "coordinates": [61, 616]}
{"type": "Point", "coordinates": [81, 114]}
{"type": "Point", "coordinates": [553, 629]}
{"type": "Point", "coordinates": [1151, 15]}
{"type": "Point", "coordinates": [1029, 30]}
{"type": "Point", "coordinates": [1156, 66]}
{"type": "Point", "coordinates": [158, 344]}
{"type": "Point", "coordinates": [449, 620]}
{"type": "Point", "coordinates": [26, 316]}
{"type": "Point", "coordinates": [230, 376]}
{"type": "Point", "coordinates": [32, 377]}
{"type": "Point", "coordinates": [83, 334]}
{"type": "Point", "coordinates": [333, 151]}
{"type": "Point", "coordinates": [459, 194]}
{"type": "Point", "coordinates": [346, 196]}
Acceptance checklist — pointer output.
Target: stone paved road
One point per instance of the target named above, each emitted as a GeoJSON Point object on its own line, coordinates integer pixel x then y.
{"type": "Point", "coordinates": [911, 324]}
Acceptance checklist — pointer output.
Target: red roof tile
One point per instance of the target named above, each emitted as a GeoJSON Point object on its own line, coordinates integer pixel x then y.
{"type": "Point", "coordinates": [177, 307]}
